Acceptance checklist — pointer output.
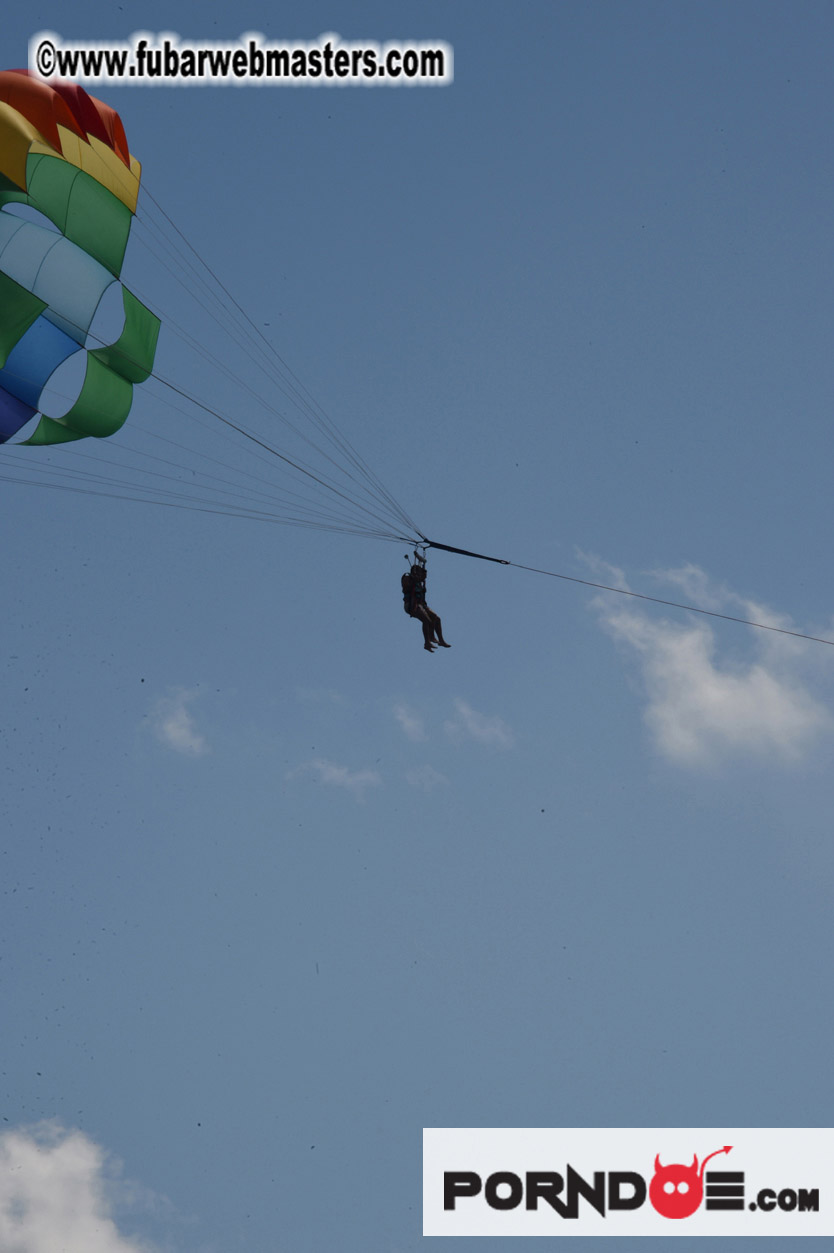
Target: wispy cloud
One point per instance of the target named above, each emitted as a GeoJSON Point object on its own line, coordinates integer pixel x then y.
{"type": "Point", "coordinates": [700, 708]}
{"type": "Point", "coordinates": [484, 728]}
{"type": "Point", "coordinates": [56, 1192]}
{"type": "Point", "coordinates": [426, 778]}
{"type": "Point", "coordinates": [175, 726]}
{"type": "Point", "coordinates": [332, 775]}
{"type": "Point", "coordinates": [411, 723]}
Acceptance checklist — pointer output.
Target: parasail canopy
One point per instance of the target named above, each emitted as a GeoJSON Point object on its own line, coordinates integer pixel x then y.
{"type": "Point", "coordinates": [65, 155]}
{"type": "Point", "coordinates": [74, 342]}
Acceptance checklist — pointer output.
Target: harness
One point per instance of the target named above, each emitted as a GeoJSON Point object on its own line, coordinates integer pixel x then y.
{"type": "Point", "coordinates": [414, 588]}
{"type": "Point", "coordinates": [414, 592]}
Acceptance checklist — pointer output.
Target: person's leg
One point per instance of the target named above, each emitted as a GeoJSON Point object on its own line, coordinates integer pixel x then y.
{"type": "Point", "coordinates": [428, 635]}
{"type": "Point", "coordinates": [438, 629]}
{"type": "Point", "coordinates": [419, 612]}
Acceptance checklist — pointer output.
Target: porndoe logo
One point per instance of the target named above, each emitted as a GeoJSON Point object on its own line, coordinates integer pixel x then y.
{"type": "Point", "coordinates": [676, 1191]}
{"type": "Point", "coordinates": [626, 1182]}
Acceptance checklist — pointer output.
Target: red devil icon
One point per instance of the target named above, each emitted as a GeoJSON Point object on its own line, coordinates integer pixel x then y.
{"type": "Point", "coordinates": [676, 1191]}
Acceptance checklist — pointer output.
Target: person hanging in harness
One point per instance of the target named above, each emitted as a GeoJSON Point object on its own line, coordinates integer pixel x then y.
{"type": "Point", "coordinates": [414, 604]}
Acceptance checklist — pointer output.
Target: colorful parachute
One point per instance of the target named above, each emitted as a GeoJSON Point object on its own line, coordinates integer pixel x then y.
{"type": "Point", "coordinates": [68, 197]}
{"type": "Point", "coordinates": [65, 155]}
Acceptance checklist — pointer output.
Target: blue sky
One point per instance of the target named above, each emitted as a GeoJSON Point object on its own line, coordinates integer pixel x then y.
{"type": "Point", "coordinates": [280, 889]}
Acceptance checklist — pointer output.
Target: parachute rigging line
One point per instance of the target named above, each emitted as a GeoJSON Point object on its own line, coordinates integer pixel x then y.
{"type": "Point", "coordinates": [282, 375]}
{"type": "Point", "coordinates": [327, 518]}
{"type": "Point", "coordinates": [294, 463]}
{"type": "Point", "coordinates": [193, 506]}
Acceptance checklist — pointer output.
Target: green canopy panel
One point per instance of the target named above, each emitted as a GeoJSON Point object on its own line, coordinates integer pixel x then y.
{"type": "Point", "coordinates": [83, 210]}
{"type": "Point", "coordinates": [100, 410]}
{"type": "Point", "coordinates": [133, 353]}
{"type": "Point", "coordinates": [19, 308]}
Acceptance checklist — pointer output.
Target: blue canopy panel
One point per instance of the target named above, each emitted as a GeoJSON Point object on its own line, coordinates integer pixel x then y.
{"type": "Point", "coordinates": [13, 415]}
{"type": "Point", "coordinates": [35, 356]}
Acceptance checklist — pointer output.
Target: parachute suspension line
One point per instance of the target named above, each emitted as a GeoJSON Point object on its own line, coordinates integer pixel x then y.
{"type": "Point", "coordinates": [230, 374]}
{"type": "Point", "coordinates": [307, 513]}
{"type": "Point", "coordinates": [313, 508]}
{"type": "Point", "coordinates": [197, 508]}
{"type": "Point", "coordinates": [624, 591]}
{"type": "Point", "coordinates": [75, 453]}
{"type": "Point", "coordinates": [262, 444]}
{"type": "Point", "coordinates": [300, 393]}
{"type": "Point", "coordinates": [299, 466]}
{"type": "Point", "coordinates": [198, 348]}
{"type": "Point", "coordinates": [338, 519]}
{"type": "Point", "coordinates": [358, 504]}
{"type": "Point", "coordinates": [285, 379]}
{"type": "Point", "coordinates": [304, 514]}
{"type": "Point", "coordinates": [231, 490]}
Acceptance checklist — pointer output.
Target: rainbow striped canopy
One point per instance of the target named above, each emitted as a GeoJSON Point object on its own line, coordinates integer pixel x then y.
{"type": "Point", "coordinates": [65, 154]}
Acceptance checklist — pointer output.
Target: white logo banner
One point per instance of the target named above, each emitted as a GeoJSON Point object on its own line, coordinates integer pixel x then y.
{"type": "Point", "coordinates": [647, 1181]}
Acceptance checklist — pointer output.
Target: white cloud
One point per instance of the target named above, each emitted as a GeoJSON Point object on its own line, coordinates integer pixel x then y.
{"type": "Point", "coordinates": [175, 726]}
{"type": "Point", "coordinates": [333, 775]}
{"type": "Point", "coordinates": [426, 778]}
{"type": "Point", "coordinates": [411, 723]}
{"type": "Point", "coordinates": [485, 728]}
{"type": "Point", "coordinates": [693, 585]}
{"type": "Point", "coordinates": [56, 1190]}
{"type": "Point", "coordinates": [700, 709]}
